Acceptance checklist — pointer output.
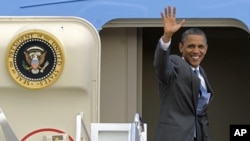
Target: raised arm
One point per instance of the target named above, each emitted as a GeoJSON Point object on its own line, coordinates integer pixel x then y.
{"type": "Point", "coordinates": [163, 65]}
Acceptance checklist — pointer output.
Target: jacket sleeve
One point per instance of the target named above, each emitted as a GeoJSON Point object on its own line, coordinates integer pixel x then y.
{"type": "Point", "coordinates": [162, 64]}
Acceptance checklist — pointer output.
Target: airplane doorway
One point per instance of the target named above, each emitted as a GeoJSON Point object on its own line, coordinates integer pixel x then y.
{"type": "Point", "coordinates": [227, 66]}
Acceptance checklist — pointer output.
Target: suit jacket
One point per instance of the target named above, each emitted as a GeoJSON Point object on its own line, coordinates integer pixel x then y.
{"type": "Point", "coordinates": [179, 89]}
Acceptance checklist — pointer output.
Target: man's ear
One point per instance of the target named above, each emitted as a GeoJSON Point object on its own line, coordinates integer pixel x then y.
{"type": "Point", "coordinates": [206, 49]}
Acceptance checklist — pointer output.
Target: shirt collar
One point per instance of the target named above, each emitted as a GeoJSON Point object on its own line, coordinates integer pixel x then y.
{"type": "Point", "coordinates": [197, 68]}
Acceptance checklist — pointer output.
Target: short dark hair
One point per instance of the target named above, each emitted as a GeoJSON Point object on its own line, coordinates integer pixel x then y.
{"type": "Point", "coordinates": [193, 31]}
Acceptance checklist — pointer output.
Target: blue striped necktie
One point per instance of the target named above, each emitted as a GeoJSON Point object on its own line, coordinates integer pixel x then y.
{"type": "Point", "coordinates": [203, 97]}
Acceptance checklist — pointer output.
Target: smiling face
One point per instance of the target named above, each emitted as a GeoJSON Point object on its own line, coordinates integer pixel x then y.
{"type": "Point", "coordinates": [193, 49]}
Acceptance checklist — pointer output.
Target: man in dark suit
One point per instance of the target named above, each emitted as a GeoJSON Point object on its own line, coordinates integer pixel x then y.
{"type": "Point", "coordinates": [185, 92]}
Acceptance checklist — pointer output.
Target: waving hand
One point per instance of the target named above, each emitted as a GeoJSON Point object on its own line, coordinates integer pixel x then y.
{"type": "Point", "coordinates": [169, 23]}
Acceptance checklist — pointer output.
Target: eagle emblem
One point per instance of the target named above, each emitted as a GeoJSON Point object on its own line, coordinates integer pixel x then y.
{"type": "Point", "coordinates": [34, 60]}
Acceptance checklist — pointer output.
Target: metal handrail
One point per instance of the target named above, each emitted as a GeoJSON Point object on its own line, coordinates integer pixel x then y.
{"type": "Point", "coordinates": [7, 130]}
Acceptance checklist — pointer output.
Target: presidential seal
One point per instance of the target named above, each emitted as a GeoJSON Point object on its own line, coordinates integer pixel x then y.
{"type": "Point", "coordinates": [35, 59]}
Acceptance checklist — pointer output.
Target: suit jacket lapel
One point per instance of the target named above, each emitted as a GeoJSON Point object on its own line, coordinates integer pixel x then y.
{"type": "Point", "coordinates": [209, 88]}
